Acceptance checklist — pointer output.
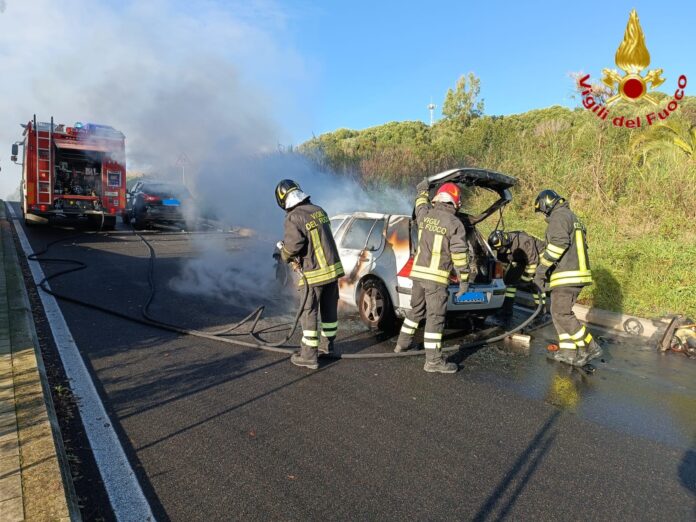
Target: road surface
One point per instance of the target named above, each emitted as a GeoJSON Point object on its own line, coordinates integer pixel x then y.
{"type": "Point", "coordinates": [217, 432]}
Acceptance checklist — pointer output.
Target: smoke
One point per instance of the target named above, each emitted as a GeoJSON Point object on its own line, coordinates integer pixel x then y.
{"type": "Point", "coordinates": [174, 78]}
{"type": "Point", "coordinates": [215, 82]}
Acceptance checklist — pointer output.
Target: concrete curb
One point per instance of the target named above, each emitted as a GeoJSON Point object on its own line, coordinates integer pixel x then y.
{"type": "Point", "coordinates": [47, 490]}
{"type": "Point", "coordinates": [652, 329]}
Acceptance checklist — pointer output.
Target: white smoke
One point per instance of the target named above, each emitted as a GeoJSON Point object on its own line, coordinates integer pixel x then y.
{"type": "Point", "coordinates": [174, 78]}
{"type": "Point", "coordinates": [212, 81]}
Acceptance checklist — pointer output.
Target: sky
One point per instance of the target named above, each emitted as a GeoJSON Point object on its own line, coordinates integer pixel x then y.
{"type": "Point", "coordinates": [181, 76]}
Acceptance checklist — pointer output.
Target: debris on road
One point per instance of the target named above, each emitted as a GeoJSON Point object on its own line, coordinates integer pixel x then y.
{"type": "Point", "coordinates": [680, 337]}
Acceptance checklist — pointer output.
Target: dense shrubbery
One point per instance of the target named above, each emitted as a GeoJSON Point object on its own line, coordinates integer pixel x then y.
{"type": "Point", "coordinates": [640, 209]}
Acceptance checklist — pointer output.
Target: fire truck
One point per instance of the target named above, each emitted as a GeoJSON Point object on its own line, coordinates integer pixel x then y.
{"type": "Point", "coordinates": [72, 173]}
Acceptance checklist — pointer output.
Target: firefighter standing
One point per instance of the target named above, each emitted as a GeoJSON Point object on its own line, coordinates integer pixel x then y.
{"type": "Point", "coordinates": [520, 253]}
{"type": "Point", "coordinates": [565, 259]}
{"type": "Point", "coordinates": [442, 245]}
{"type": "Point", "coordinates": [309, 244]}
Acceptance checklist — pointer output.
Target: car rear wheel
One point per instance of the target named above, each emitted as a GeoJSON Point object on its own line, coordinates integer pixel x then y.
{"type": "Point", "coordinates": [375, 306]}
{"type": "Point", "coordinates": [140, 223]}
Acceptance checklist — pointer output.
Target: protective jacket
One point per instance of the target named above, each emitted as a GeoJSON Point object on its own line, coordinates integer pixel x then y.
{"type": "Point", "coordinates": [442, 243]}
{"type": "Point", "coordinates": [308, 237]}
{"type": "Point", "coordinates": [566, 249]}
{"type": "Point", "coordinates": [524, 252]}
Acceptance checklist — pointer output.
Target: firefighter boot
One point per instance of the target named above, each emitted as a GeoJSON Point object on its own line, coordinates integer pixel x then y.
{"type": "Point", "coordinates": [435, 362]}
{"type": "Point", "coordinates": [593, 350]}
{"type": "Point", "coordinates": [402, 348]}
{"type": "Point", "coordinates": [326, 347]}
{"type": "Point", "coordinates": [571, 356]}
{"type": "Point", "coordinates": [306, 357]}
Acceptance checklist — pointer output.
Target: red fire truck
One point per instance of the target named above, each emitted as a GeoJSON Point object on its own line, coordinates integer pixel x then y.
{"type": "Point", "coordinates": [69, 174]}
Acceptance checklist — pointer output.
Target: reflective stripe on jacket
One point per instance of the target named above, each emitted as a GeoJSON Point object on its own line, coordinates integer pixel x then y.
{"type": "Point", "coordinates": [308, 237]}
{"type": "Point", "coordinates": [525, 251]}
{"type": "Point", "coordinates": [566, 249]}
{"type": "Point", "coordinates": [442, 243]}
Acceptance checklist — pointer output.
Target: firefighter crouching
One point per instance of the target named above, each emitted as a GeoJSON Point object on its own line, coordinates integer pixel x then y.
{"type": "Point", "coordinates": [309, 244]}
{"type": "Point", "coordinates": [442, 245]}
{"type": "Point", "coordinates": [520, 253]}
{"type": "Point", "coordinates": [565, 259]}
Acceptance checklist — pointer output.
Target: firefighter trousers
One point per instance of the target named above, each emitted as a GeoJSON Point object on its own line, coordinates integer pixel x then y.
{"type": "Point", "coordinates": [321, 301]}
{"type": "Point", "coordinates": [572, 334]}
{"type": "Point", "coordinates": [429, 303]}
{"type": "Point", "coordinates": [516, 279]}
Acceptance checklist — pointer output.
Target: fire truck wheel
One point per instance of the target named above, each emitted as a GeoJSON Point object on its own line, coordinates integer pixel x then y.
{"type": "Point", "coordinates": [126, 218]}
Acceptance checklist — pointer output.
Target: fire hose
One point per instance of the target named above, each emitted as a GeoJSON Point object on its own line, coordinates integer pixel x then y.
{"type": "Point", "coordinates": [223, 336]}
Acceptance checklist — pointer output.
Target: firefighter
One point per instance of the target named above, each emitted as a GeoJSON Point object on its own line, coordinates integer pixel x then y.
{"type": "Point", "coordinates": [566, 261]}
{"type": "Point", "coordinates": [519, 252]}
{"type": "Point", "coordinates": [442, 246]}
{"type": "Point", "coordinates": [308, 245]}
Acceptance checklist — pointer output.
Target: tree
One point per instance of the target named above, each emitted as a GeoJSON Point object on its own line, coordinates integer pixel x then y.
{"type": "Point", "coordinates": [676, 135]}
{"type": "Point", "coordinates": [462, 104]}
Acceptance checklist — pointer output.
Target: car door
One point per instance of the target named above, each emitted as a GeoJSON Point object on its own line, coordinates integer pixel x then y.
{"type": "Point", "coordinates": [359, 243]}
{"type": "Point", "coordinates": [130, 195]}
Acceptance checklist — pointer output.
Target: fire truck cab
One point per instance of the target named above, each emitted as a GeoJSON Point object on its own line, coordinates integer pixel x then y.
{"type": "Point", "coordinates": [72, 174]}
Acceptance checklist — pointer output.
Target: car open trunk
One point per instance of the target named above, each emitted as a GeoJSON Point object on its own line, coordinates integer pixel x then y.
{"type": "Point", "coordinates": [482, 264]}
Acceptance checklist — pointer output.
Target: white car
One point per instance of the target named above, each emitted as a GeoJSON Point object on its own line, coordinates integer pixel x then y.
{"type": "Point", "coordinates": [376, 252]}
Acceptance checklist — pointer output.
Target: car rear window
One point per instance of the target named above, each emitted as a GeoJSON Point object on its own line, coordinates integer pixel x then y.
{"type": "Point", "coordinates": [356, 236]}
{"type": "Point", "coordinates": [166, 191]}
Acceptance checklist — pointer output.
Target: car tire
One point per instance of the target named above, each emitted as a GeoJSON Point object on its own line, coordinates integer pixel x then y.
{"type": "Point", "coordinates": [139, 222]}
{"type": "Point", "coordinates": [109, 223]}
{"type": "Point", "coordinates": [375, 306]}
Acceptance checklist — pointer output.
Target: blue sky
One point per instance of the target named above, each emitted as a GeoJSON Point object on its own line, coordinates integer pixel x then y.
{"type": "Point", "coordinates": [374, 62]}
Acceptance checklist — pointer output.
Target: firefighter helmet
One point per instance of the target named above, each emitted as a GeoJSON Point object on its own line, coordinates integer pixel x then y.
{"type": "Point", "coordinates": [289, 194]}
{"type": "Point", "coordinates": [547, 200]}
{"type": "Point", "coordinates": [448, 193]}
{"type": "Point", "coordinates": [499, 240]}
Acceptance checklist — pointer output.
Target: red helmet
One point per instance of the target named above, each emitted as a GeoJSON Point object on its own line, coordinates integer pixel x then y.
{"type": "Point", "coordinates": [449, 193]}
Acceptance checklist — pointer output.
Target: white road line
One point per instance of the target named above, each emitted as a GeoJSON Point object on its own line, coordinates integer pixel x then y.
{"type": "Point", "coordinates": [127, 498]}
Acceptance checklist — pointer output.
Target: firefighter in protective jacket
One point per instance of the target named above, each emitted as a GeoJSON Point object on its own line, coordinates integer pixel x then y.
{"type": "Point", "coordinates": [520, 253]}
{"type": "Point", "coordinates": [309, 245]}
{"type": "Point", "coordinates": [442, 246]}
{"type": "Point", "coordinates": [565, 259]}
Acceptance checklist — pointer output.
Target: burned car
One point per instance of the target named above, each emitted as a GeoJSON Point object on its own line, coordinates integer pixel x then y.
{"type": "Point", "coordinates": [151, 202]}
{"type": "Point", "coordinates": [377, 252]}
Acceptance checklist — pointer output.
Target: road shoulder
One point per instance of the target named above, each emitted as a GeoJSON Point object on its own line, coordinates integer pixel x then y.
{"type": "Point", "coordinates": [35, 483]}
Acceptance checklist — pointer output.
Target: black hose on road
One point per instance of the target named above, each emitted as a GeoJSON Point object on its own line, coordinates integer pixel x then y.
{"type": "Point", "coordinates": [254, 317]}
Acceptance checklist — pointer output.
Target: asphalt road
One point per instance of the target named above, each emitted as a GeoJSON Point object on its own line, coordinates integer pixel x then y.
{"type": "Point", "coordinates": [217, 432]}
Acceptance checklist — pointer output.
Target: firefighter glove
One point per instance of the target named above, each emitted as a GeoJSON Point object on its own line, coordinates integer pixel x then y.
{"type": "Point", "coordinates": [463, 288]}
{"type": "Point", "coordinates": [423, 186]}
{"type": "Point", "coordinates": [540, 280]}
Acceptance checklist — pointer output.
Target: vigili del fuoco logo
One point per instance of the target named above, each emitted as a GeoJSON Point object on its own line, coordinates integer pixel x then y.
{"type": "Point", "coordinates": [632, 57]}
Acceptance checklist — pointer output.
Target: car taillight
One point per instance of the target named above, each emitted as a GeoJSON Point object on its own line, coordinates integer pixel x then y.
{"type": "Point", "coordinates": [499, 271]}
{"type": "Point", "coordinates": [406, 270]}
{"type": "Point", "coordinates": [150, 199]}
{"type": "Point", "coordinates": [112, 210]}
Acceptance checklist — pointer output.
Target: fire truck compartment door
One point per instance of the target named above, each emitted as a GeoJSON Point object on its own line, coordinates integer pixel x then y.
{"type": "Point", "coordinates": [79, 145]}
